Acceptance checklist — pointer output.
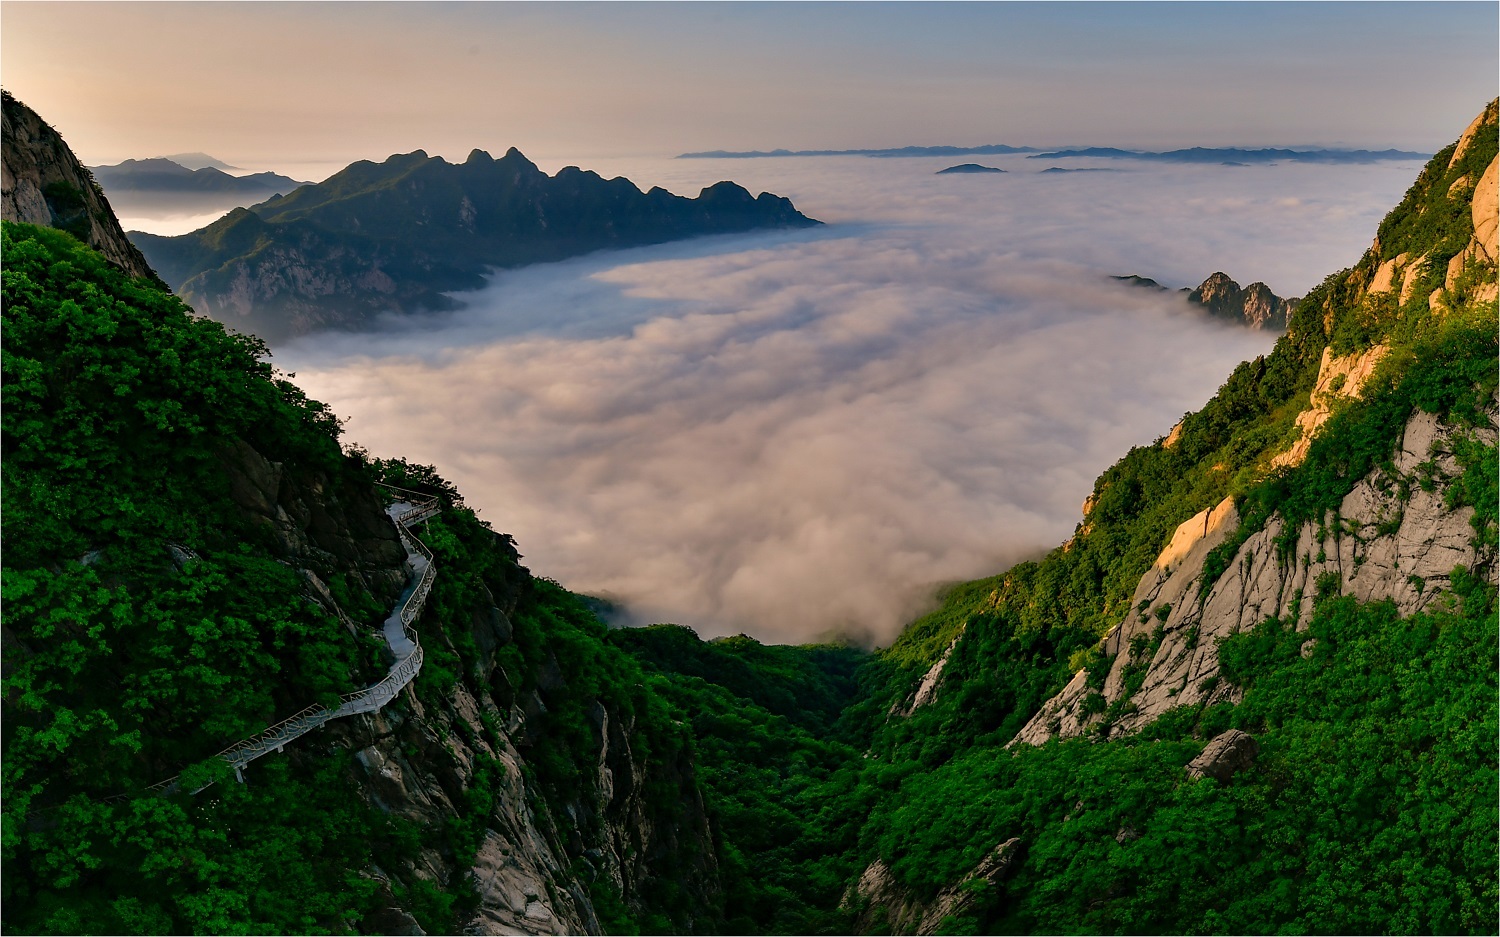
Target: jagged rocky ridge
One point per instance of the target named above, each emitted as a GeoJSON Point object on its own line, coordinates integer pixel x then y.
{"type": "Point", "coordinates": [398, 236]}
{"type": "Point", "coordinates": [1254, 306]}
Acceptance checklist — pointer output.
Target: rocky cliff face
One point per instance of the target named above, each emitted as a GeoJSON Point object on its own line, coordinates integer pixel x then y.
{"type": "Point", "coordinates": [1445, 251]}
{"type": "Point", "coordinates": [1254, 306]}
{"type": "Point", "coordinates": [318, 523]}
{"type": "Point", "coordinates": [532, 871]}
{"type": "Point", "coordinates": [1394, 537]}
{"type": "Point", "coordinates": [43, 183]}
{"type": "Point", "coordinates": [881, 904]}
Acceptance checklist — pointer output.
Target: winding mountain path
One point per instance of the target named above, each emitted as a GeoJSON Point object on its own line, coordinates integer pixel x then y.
{"type": "Point", "coordinates": [399, 635]}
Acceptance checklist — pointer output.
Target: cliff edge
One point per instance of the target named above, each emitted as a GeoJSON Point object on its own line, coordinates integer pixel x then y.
{"type": "Point", "coordinates": [43, 183]}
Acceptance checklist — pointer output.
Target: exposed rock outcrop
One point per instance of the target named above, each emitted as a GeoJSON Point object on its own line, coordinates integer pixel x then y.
{"type": "Point", "coordinates": [1484, 246]}
{"type": "Point", "coordinates": [956, 901]}
{"type": "Point", "coordinates": [1477, 126]}
{"type": "Point", "coordinates": [1225, 756]}
{"type": "Point", "coordinates": [1254, 306]}
{"type": "Point", "coordinates": [43, 183]}
{"type": "Point", "coordinates": [1340, 377]}
{"type": "Point", "coordinates": [317, 525]}
{"type": "Point", "coordinates": [1393, 537]}
{"type": "Point", "coordinates": [881, 900]}
{"type": "Point", "coordinates": [927, 689]}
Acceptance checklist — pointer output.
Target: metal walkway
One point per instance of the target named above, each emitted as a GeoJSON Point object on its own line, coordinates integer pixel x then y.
{"type": "Point", "coordinates": [399, 635]}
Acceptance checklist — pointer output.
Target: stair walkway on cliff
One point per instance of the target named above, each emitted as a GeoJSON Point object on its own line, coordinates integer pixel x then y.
{"type": "Point", "coordinates": [399, 636]}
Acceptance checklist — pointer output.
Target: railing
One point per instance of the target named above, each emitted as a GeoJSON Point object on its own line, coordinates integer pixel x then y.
{"type": "Point", "coordinates": [372, 698]}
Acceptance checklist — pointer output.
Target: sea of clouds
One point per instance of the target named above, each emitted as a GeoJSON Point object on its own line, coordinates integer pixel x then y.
{"type": "Point", "coordinates": [803, 434]}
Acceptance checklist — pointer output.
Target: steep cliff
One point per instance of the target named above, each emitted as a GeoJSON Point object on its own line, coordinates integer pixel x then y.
{"type": "Point", "coordinates": [1397, 536]}
{"type": "Point", "coordinates": [1398, 532]}
{"type": "Point", "coordinates": [43, 183]}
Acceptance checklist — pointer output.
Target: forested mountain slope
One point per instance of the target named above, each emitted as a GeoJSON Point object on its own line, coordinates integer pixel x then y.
{"type": "Point", "coordinates": [190, 557]}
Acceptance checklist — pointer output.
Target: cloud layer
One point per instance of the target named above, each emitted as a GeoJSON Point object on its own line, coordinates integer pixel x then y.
{"type": "Point", "coordinates": [799, 434]}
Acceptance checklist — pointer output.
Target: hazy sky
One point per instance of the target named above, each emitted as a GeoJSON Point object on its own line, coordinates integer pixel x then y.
{"type": "Point", "coordinates": [272, 84]}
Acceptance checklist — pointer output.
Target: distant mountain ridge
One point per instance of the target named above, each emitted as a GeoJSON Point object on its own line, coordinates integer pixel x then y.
{"type": "Point", "coordinates": [399, 235]}
{"type": "Point", "coordinates": [1236, 155]}
{"type": "Point", "coordinates": [166, 176]}
{"type": "Point", "coordinates": [987, 150]}
{"type": "Point", "coordinates": [1196, 154]}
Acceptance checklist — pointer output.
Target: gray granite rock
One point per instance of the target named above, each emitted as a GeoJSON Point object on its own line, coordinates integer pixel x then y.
{"type": "Point", "coordinates": [1228, 754]}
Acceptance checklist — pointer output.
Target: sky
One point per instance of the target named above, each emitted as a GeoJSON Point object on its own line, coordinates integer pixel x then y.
{"type": "Point", "coordinates": [311, 87]}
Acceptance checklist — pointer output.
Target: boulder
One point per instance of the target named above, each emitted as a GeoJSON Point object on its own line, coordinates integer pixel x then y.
{"type": "Point", "coordinates": [1228, 754]}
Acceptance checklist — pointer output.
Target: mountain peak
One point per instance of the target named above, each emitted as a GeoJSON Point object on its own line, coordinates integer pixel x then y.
{"type": "Point", "coordinates": [1254, 305]}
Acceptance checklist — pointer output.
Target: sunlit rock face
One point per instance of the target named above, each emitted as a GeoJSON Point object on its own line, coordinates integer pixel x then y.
{"type": "Point", "coordinates": [1396, 539]}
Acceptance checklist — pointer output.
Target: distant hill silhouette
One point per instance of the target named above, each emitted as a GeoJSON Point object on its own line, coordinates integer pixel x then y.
{"type": "Point", "coordinates": [166, 176]}
{"type": "Point", "coordinates": [966, 167]}
{"type": "Point", "coordinates": [198, 161]}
